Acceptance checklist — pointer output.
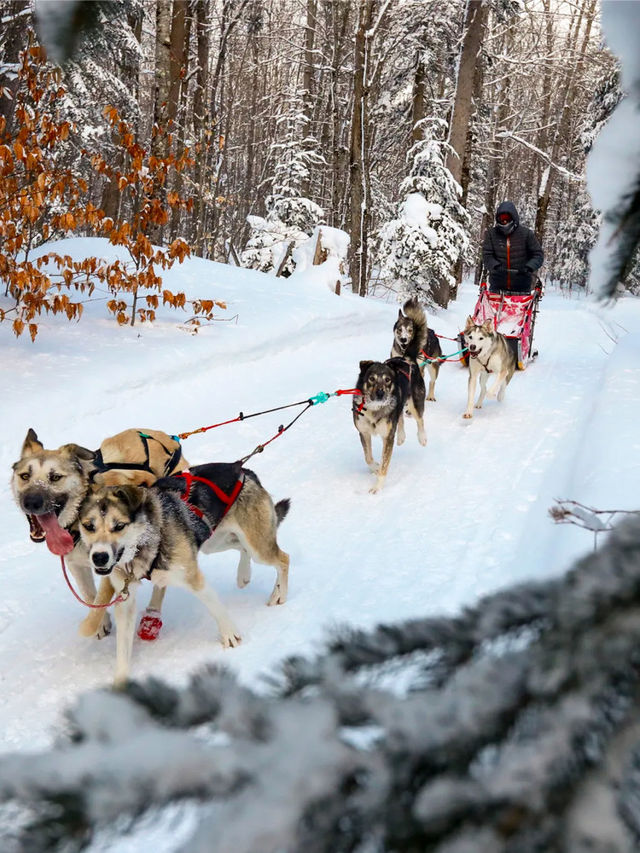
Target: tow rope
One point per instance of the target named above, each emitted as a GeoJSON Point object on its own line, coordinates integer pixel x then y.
{"type": "Point", "coordinates": [321, 397]}
{"type": "Point", "coordinates": [427, 359]}
{"type": "Point", "coordinates": [315, 400]}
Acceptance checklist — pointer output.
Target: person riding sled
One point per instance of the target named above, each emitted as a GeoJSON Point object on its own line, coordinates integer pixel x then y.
{"type": "Point", "coordinates": [511, 252]}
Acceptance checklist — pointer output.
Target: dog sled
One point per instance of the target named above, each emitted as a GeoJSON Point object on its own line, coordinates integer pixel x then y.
{"type": "Point", "coordinates": [514, 316]}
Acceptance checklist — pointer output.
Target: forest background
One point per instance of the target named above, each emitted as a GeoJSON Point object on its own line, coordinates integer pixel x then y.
{"type": "Point", "coordinates": [233, 128]}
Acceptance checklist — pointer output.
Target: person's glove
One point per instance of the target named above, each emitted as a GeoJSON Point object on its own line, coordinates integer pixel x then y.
{"type": "Point", "coordinates": [538, 291]}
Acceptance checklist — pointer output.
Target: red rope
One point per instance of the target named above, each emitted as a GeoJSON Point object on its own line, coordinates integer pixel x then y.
{"type": "Point", "coordinates": [116, 600]}
{"type": "Point", "coordinates": [183, 435]}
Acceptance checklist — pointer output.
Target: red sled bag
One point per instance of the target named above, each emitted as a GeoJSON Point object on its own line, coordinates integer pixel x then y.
{"type": "Point", "coordinates": [514, 316]}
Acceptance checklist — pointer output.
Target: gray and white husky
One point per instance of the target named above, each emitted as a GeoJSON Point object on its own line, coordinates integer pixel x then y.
{"type": "Point", "coordinates": [412, 337]}
{"type": "Point", "coordinates": [134, 533]}
{"type": "Point", "coordinates": [489, 352]}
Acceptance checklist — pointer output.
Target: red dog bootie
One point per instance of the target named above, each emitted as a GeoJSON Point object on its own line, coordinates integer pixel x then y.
{"type": "Point", "coordinates": [150, 625]}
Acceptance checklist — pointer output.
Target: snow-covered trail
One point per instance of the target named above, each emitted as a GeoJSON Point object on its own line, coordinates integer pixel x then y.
{"type": "Point", "coordinates": [456, 519]}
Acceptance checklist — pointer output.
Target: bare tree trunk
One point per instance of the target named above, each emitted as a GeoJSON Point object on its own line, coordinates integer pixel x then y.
{"type": "Point", "coordinates": [163, 75]}
{"type": "Point", "coordinates": [176, 113]}
{"type": "Point", "coordinates": [163, 78]}
{"type": "Point", "coordinates": [418, 101]}
{"type": "Point", "coordinates": [475, 21]}
{"type": "Point", "coordinates": [201, 114]}
{"type": "Point", "coordinates": [308, 82]}
{"type": "Point", "coordinates": [207, 213]}
{"type": "Point", "coordinates": [14, 19]}
{"type": "Point", "coordinates": [358, 170]}
{"type": "Point", "coordinates": [340, 13]}
{"type": "Point", "coordinates": [549, 174]}
{"type": "Point", "coordinates": [178, 42]}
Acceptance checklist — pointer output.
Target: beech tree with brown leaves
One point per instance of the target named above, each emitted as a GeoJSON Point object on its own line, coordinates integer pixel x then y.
{"type": "Point", "coordinates": [38, 198]}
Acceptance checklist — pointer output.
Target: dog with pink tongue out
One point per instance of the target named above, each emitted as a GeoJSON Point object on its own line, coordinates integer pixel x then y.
{"type": "Point", "coordinates": [49, 487]}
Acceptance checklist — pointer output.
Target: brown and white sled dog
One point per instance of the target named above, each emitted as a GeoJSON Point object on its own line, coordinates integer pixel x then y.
{"type": "Point", "coordinates": [133, 533]}
{"type": "Point", "coordinates": [489, 352]}
{"type": "Point", "coordinates": [390, 390]}
{"type": "Point", "coordinates": [411, 336]}
{"type": "Point", "coordinates": [50, 485]}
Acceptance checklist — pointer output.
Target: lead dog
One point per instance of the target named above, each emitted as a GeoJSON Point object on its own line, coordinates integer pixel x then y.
{"type": "Point", "coordinates": [133, 533]}
{"type": "Point", "coordinates": [388, 390]}
{"type": "Point", "coordinates": [50, 485]}
{"type": "Point", "coordinates": [489, 352]}
{"type": "Point", "coordinates": [413, 339]}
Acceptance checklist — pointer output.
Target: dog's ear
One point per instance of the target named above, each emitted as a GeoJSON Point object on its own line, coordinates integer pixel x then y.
{"type": "Point", "coordinates": [400, 314]}
{"type": "Point", "coordinates": [469, 323]}
{"type": "Point", "coordinates": [365, 365]}
{"type": "Point", "coordinates": [487, 327]}
{"type": "Point", "coordinates": [31, 444]}
{"type": "Point", "coordinates": [132, 496]}
{"type": "Point", "coordinates": [79, 452]}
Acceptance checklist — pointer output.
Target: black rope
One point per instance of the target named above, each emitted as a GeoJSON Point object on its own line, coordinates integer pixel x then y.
{"type": "Point", "coordinates": [281, 430]}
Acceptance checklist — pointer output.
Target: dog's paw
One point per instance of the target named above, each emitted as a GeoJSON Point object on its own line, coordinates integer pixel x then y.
{"type": "Point", "coordinates": [400, 439]}
{"type": "Point", "coordinates": [277, 596]}
{"type": "Point", "coordinates": [243, 576]}
{"type": "Point", "coordinates": [95, 624]}
{"type": "Point", "coordinates": [231, 639]}
{"type": "Point", "coordinates": [423, 440]}
{"type": "Point", "coordinates": [468, 415]}
{"type": "Point", "coordinates": [105, 629]}
{"type": "Point", "coordinates": [431, 399]}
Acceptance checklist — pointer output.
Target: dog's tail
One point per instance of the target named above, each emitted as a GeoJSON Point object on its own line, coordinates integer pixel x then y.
{"type": "Point", "coordinates": [282, 508]}
{"type": "Point", "coordinates": [415, 312]}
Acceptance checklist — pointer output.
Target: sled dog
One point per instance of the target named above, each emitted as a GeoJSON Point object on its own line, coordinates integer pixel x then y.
{"type": "Point", "coordinates": [133, 533]}
{"type": "Point", "coordinates": [50, 485]}
{"type": "Point", "coordinates": [489, 352]}
{"type": "Point", "coordinates": [389, 389]}
{"type": "Point", "coordinates": [412, 337]}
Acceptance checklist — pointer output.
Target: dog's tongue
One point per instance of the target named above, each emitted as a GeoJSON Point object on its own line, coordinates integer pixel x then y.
{"type": "Point", "coordinates": [59, 540]}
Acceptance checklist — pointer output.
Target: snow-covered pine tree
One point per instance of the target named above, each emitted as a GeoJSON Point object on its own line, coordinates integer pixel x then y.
{"type": "Point", "coordinates": [420, 248]}
{"type": "Point", "coordinates": [612, 168]}
{"type": "Point", "coordinates": [291, 217]}
{"type": "Point", "coordinates": [502, 729]}
{"type": "Point", "coordinates": [577, 231]}
{"type": "Point", "coordinates": [576, 236]}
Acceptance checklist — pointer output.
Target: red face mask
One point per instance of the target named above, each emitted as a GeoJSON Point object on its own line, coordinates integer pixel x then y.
{"type": "Point", "coordinates": [504, 218]}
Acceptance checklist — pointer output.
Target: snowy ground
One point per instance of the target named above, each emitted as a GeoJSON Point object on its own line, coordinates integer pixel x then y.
{"type": "Point", "coordinates": [457, 519]}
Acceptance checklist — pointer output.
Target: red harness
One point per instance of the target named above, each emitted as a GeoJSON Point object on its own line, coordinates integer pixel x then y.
{"type": "Point", "coordinates": [228, 500]}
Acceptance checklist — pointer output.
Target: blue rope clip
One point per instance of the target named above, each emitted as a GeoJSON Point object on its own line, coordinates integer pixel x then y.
{"type": "Point", "coordinates": [322, 397]}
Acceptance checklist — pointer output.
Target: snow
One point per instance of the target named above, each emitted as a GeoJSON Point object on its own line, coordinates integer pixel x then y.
{"type": "Point", "coordinates": [464, 516]}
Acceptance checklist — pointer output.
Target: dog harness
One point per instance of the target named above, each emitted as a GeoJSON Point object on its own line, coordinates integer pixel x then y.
{"type": "Point", "coordinates": [402, 368]}
{"type": "Point", "coordinates": [226, 500]}
{"type": "Point", "coordinates": [477, 355]}
{"type": "Point", "coordinates": [173, 459]}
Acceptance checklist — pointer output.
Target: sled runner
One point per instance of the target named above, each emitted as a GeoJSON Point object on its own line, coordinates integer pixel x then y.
{"type": "Point", "coordinates": [514, 316]}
